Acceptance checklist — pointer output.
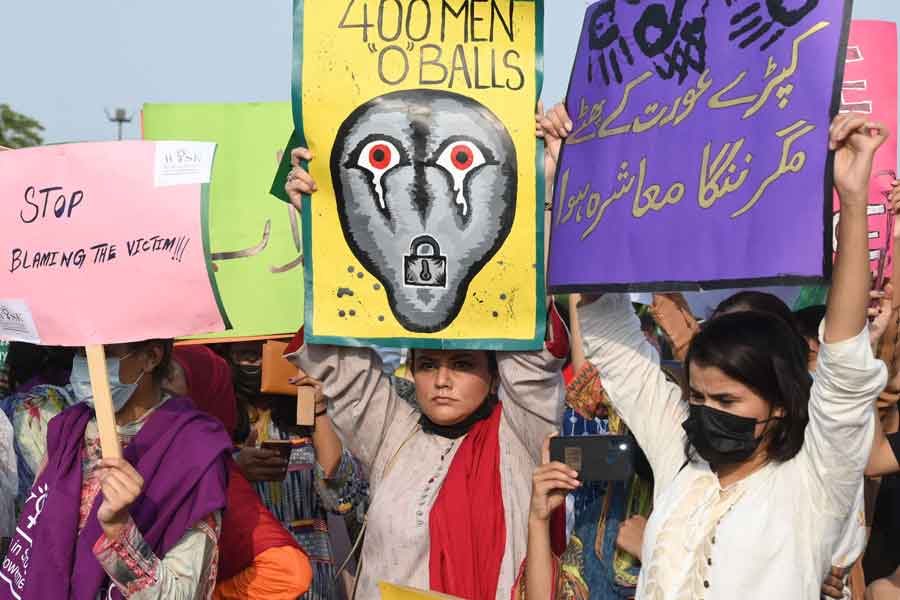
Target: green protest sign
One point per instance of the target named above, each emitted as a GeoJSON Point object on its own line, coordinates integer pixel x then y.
{"type": "Point", "coordinates": [254, 242]}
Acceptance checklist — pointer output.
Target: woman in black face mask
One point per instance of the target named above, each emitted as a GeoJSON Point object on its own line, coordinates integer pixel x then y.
{"type": "Point", "coordinates": [308, 475]}
{"type": "Point", "coordinates": [756, 465]}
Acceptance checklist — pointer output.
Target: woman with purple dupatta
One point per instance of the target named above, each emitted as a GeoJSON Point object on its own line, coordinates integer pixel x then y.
{"type": "Point", "coordinates": [145, 526]}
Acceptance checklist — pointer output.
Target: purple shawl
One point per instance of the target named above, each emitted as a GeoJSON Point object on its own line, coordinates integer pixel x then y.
{"type": "Point", "coordinates": [180, 453]}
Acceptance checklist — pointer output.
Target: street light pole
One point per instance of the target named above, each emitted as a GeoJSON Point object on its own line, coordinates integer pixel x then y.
{"type": "Point", "coordinates": [120, 117]}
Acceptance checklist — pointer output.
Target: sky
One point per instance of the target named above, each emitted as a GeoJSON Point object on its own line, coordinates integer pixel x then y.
{"type": "Point", "coordinates": [64, 63]}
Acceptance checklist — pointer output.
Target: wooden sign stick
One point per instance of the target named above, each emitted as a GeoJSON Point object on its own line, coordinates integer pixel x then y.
{"type": "Point", "coordinates": [103, 406]}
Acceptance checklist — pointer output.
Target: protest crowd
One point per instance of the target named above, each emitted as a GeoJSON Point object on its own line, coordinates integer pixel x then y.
{"type": "Point", "coordinates": [753, 451]}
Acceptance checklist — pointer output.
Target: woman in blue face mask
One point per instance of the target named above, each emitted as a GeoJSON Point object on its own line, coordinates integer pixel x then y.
{"type": "Point", "coordinates": [142, 526]}
{"type": "Point", "coordinates": [756, 465]}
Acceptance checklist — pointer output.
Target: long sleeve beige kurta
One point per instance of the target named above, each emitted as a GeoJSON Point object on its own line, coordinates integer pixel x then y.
{"type": "Point", "coordinates": [379, 428]}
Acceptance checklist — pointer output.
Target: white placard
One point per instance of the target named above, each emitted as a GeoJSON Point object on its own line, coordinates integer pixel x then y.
{"type": "Point", "coordinates": [180, 163]}
{"type": "Point", "coordinates": [16, 324]}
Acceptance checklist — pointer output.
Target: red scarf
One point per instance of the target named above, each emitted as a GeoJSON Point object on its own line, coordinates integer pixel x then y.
{"type": "Point", "coordinates": [467, 524]}
{"type": "Point", "coordinates": [208, 378]}
{"type": "Point", "coordinates": [248, 528]}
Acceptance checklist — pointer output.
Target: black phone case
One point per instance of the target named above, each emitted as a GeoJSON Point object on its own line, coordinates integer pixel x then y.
{"type": "Point", "coordinates": [282, 447]}
{"type": "Point", "coordinates": [596, 457]}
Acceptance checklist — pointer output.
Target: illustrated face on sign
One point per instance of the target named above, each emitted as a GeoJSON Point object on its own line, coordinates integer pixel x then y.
{"type": "Point", "coordinates": [426, 186]}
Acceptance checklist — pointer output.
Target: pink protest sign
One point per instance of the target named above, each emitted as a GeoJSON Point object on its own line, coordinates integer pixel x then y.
{"type": "Point", "coordinates": [870, 87]}
{"type": "Point", "coordinates": [103, 243]}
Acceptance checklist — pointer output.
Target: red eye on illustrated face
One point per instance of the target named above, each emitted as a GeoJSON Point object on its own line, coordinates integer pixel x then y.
{"type": "Point", "coordinates": [462, 157]}
{"type": "Point", "coordinates": [380, 156]}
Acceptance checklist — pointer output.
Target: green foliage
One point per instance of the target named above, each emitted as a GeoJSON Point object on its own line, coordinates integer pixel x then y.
{"type": "Point", "coordinates": [18, 130]}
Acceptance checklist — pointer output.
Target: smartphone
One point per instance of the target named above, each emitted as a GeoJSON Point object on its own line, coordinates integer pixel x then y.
{"type": "Point", "coordinates": [596, 457]}
{"type": "Point", "coordinates": [283, 447]}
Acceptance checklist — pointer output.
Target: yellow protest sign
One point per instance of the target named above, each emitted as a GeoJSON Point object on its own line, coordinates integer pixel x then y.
{"type": "Point", "coordinates": [426, 229]}
{"type": "Point", "coordinates": [390, 591]}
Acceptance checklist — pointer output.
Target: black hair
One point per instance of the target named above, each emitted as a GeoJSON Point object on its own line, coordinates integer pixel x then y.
{"type": "Point", "coordinates": [26, 361]}
{"type": "Point", "coordinates": [759, 302]}
{"type": "Point", "coordinates": [247, 392]}
{"type": "Point", "coordinates": [766, 354]}
{"type": "Point", "coordinates": [764, 303]}
{"type": "Point", "coordinates": [161, 371]}
{"type": "Point", "coordinates": [808, 321]}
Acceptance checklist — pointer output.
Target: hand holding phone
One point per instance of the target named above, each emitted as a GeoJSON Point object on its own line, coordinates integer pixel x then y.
{"type": "Point", "coordinates": [282, 447]}
{"type": "Point", "coordinates": [596, 457]}
{"type": "Point", "coordinates": [266, 463]}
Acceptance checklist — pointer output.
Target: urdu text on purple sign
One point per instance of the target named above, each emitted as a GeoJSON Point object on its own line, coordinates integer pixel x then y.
{"type": "Point", "coordinates": [699, 154]}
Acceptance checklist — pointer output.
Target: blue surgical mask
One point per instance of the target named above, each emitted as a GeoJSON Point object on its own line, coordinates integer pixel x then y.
{"type": "Point", "coordinates": [80, 380]}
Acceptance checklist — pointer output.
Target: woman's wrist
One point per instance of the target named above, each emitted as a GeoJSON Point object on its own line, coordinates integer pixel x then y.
{"type": "Point", "coordinates": [538, 520]}
{"type": "Point", "coordinates": [114, 528]}
{"type": "Point", "coordinates": [855, 205]}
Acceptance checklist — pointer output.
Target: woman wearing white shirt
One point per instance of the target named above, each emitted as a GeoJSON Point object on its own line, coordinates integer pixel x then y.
{"type": "Point", "coordinates": [757, 468]}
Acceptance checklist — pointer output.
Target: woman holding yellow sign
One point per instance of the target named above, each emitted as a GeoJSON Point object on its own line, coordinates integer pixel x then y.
{"type": "Point", "coordinates": [449, 501]}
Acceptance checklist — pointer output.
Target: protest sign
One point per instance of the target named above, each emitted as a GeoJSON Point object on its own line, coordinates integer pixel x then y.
{"type": "Point", "coordinates": [699, 155]}
{"type": "Point", "coordinates": [426, 226]}
{"type": "Point", "coordinates": [103, 243]}
{"type": "Point", "coordinates": [870, 88]}
{"type": "Point", "coordinates": [390, 591]}
{"type": "Point", "coordinates": [255, 244]}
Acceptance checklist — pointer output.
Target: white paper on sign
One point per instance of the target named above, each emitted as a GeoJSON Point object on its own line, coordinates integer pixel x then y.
{"type": "Point", "coordinates": [16, 323]}
{"type": "Point", "coordinates": [181, 163]}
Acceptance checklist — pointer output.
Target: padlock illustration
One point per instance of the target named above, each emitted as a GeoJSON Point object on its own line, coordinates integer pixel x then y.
{"type": "Point", "coordinates": [425, 266]}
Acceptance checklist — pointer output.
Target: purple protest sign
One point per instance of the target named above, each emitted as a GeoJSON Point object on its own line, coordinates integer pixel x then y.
{"type": "Point", "coordinates": [699, 155]}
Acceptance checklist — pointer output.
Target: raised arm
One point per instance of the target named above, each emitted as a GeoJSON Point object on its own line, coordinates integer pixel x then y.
{"type": "Point", "coordinates": [628, 365]}
{"type": "Point", "coordinates": [532, 388]}
{"type": "Point", "coordinates": [364, 405]}
{"type": "Point", "coordinates": [848, 377]}
{"type": "Point", "coordinates": [673, 315]}
{"type": "Point", "coordinates": [855, 141]}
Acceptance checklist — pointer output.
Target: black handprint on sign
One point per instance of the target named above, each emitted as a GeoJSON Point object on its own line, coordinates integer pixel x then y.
{"type": "Point", "coordinates": [750, 24]}
{"type": "Point", "coordinates": [606, 42]}
{"type": "Point", "coordinates": [675, 43]}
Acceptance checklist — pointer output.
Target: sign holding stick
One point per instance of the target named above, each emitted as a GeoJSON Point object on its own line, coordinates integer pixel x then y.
{"type": "Point", "coordinates": [103, 406]}
{"type": "Point", "coordinates": [306, 405]}
{"type": "Point", "coordinates": [699, 156]}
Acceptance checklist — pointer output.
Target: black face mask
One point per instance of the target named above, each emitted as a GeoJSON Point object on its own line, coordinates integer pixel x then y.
{"type": "Point", "coordinates": [247, 381]}
{"type": "Point", "coordinates": [722, 438]}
